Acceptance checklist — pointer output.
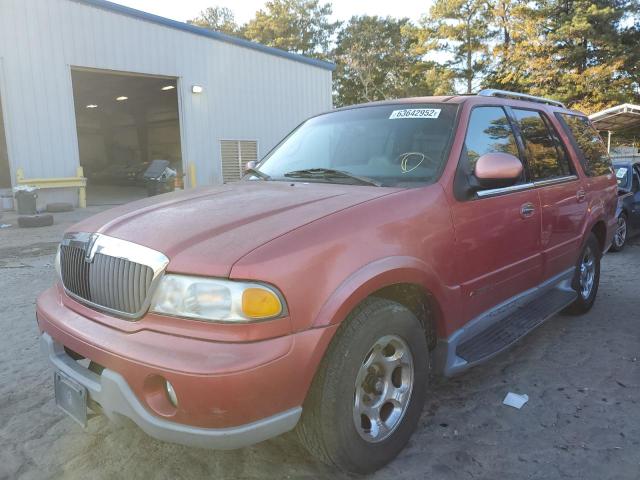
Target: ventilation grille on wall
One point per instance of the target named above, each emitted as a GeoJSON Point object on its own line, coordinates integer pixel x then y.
{"type": "Point", "coordinates": [235, 155]}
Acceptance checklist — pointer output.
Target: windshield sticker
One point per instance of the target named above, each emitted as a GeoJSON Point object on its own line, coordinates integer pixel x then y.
{"type": "Point", "coordinates": [621, 172]}
{"type": "Point", "coordinates": [415, 113]}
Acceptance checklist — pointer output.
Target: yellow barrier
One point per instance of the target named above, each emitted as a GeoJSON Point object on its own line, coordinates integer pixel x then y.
{"type": "Point", "coordinates": [79, 182]}
{"type": "Point", "coordinates": [192, 176]}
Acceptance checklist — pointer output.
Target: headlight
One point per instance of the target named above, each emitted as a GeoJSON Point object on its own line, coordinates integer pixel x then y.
{"type": "Point", "coordinates": [216, 300]}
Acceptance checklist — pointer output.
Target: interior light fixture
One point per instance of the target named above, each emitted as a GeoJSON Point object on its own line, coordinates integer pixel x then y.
{"type": "Point", "coordinates": [122, 98]}
{"type": "Point", "coordinates": [92, 105]}
{"type": "Point", "coordinates": [168, 87]}
{"type": "Point", "coordinates": [197, 89]}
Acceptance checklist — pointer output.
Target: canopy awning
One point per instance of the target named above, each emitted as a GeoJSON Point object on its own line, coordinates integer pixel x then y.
{"type": "Point", "coordinates": [617, 118]}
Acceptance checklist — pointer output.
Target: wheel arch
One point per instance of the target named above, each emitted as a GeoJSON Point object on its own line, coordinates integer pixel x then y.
{"type": "Point", "coordinates": [407, 280]}
{"type": "Point", "coordinates": [420, 302]}
{"type": "Point", "coordinates": [599, 229]}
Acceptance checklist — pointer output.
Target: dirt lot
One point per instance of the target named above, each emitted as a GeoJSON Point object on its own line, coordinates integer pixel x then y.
{"type": "Point", "coordinates": [582, 375]}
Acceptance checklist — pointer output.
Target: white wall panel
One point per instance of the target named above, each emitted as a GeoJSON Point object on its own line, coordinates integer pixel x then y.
{"type": "Point", "coordinates": [248, 94]}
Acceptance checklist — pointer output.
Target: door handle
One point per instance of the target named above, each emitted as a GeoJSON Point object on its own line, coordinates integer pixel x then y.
{"type": "Point", "coordinates": [527, 210]}
{"type": "Point", "coordinates": [581, 195]}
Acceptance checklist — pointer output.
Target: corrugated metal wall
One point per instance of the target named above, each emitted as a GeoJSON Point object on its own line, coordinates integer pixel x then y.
{"type": "Point", "coordinates": [248, 94]}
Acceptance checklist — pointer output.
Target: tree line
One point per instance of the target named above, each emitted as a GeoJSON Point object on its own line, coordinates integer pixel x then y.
{"type": "Point", "coordinates": [585, 53]}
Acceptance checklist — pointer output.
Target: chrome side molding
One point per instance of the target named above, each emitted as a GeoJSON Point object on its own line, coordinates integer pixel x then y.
{"type": "Point", "coordinates": [525, 186]}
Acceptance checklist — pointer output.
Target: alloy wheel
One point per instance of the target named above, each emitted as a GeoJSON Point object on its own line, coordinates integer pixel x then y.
{"type": "Point", "coordinates": [621, 232]}
{"type": "Point", "coordinates": [587, 273]}
{"type": "Point", "coordinates": [383, 388]}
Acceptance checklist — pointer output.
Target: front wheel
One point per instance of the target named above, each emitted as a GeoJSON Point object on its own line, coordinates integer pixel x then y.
{"type": "Point", "coordinates": [368, 394]}
{"type": "Point", "coordinates": [587, 277]}
{"type": "Point", "coordinates": [620, 237]}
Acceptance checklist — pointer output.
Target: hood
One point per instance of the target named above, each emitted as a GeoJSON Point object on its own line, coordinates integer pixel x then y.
{"type": "Point", "coordinates": [205, 231]}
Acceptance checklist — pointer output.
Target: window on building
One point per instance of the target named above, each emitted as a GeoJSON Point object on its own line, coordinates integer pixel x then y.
{"type": "Point", "coordinates": [235, 154]}
{"type": "Point", "coordinates": [546, 158]}
{"type": "Point", "coordinates": [594, 156]}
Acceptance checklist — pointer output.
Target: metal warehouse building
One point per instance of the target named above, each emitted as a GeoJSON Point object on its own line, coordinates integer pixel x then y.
{"type": "Point", "coordinates": [92, 84]}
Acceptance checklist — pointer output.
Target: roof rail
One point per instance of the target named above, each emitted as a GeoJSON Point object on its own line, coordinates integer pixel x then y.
{"type": "Point", "coordinates": [492, 92]}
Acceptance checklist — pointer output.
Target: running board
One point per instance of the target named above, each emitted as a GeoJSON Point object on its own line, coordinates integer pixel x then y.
{"type": "Point", "coordinates": [501, 326]}
{"type": "Point", "coordinates": [512, 328]}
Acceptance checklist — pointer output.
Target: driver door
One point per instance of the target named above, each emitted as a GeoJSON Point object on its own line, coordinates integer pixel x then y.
{"type": "Point", "coordinates": [498, 232]}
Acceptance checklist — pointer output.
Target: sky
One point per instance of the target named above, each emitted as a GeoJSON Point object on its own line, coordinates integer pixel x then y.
{"type": "Point", "coordinates": [244, 9]}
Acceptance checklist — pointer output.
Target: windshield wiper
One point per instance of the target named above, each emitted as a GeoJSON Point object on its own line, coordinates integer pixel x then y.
{"type": "Point", "coordinates": [257, 173]}
{"type": "Point", "coordinates": [330, 173]}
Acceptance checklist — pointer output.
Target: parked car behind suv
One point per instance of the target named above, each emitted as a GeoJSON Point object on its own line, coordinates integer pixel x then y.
{"type": "Point", "coordinates": [376, 244]}
{"type": "Point", "coordinates": [628, 212]}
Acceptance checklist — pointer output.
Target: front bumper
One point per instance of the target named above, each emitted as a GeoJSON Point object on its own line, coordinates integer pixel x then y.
{"type": "Point", "coordinates": [230, 394]}
{"type": "Point", "coordinates": [111, 391]}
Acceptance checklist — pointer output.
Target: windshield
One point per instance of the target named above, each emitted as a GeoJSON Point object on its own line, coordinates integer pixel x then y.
{"type": "Point", "coordinates": [622, 175]}
{"type": "Point", "coordinates": [390, 145]}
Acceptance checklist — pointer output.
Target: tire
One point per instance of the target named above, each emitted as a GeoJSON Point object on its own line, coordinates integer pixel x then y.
{"type": "Point", "coordinates": [585, 300]}
{"type": "Point", "coordinates": [620, 237]}
{"type": "Point", "coordinates": [32, 221]}
{"type": "Point", "coordinates": [59, 207]}
{"type": "Point", "coordinates": [328, 425]}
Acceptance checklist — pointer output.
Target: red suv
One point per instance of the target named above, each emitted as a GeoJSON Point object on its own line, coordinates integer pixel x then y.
{"type": "Point", "coordinates": [374, 245]}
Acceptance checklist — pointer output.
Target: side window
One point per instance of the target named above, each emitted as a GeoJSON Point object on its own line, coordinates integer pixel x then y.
{"type": "Point", "coordinates": [595, 158]}
{"type": "Point", "coordinates": [546, 158]}
{"type": "Point", "coordinates": [489, 130]}
{"type": "Point", "coordinates": [636, 179]}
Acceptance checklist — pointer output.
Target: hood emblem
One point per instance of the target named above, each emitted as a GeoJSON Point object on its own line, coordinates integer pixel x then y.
{"type": "Point", "coordinates": [89, 251]}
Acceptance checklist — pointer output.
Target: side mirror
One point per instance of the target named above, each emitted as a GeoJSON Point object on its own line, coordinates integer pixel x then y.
{"type": "Point", "coordinates": [249, 165]}
{"type": "Point", "coordinates": [497, 170]}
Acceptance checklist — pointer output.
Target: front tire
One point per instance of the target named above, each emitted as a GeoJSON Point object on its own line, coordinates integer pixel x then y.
{"type": "Point", "coordinates": [620, 237]}
{"type": "Point", "coordinates": [587, 277]}
{"type": "Point", "coordinates": [368, 393]}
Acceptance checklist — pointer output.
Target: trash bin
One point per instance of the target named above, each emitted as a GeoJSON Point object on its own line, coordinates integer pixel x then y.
{"type": "Point", "coordinates": [159, 178]}
{"type": "Point", "coordinates": [7, 202]}
{"type": "Point", "coordinates": [26, 200]}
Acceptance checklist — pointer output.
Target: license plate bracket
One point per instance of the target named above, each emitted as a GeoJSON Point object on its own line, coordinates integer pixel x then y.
{"type": "Point", "coordinates": [71, 397]}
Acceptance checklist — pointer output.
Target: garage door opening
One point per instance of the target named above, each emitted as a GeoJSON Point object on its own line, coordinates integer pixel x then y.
{"type": "Point", "coordinates": [124, 122]}
{"type": "Point", "coordinates": [5, 172]}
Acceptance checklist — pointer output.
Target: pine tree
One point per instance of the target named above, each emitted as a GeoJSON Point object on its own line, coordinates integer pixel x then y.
{"type": "Point", "coordinates": [460, 28]}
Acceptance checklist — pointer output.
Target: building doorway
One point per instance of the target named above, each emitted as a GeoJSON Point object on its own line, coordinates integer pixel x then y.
{"type": "Point", "coordinates": [124, 121]}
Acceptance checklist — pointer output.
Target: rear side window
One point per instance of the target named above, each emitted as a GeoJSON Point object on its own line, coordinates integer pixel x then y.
{"type": "Point", "coordinates": [594, 156]}
{"type": "Point", "coordinates": [623, 174]}
{"type": "Point", "coordinates": [546, 158]}
{"type": "Point", "coordinates": [489, 131]}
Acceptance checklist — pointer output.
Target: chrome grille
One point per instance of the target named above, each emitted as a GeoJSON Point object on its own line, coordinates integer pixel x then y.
{"type": "Point", "coordinates": [105, 272]}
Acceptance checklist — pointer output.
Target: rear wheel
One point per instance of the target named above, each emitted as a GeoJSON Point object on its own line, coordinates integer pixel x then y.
{"type": "Point", "coordinates": [587, 277]}
{"type": "Point", "coordinates": [368, 394]}
{"type": "Point", "coordinates": [620, 237]}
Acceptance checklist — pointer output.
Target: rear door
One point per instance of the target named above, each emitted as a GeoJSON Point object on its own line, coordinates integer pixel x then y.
{"type": "Point", "coordinates": [563, 206]}
{"type": "Point", "coordinates": [497, 231]}
{"type": "Point", "coordinates": [600, 189]}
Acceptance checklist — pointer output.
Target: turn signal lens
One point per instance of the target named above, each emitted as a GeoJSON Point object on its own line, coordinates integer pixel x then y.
{"type": "Point", "coordinates": [260, 303]}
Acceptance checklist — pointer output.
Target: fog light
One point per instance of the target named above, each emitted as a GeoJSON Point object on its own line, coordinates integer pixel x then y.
{"type": "Point", "coordinates": [171, 393]}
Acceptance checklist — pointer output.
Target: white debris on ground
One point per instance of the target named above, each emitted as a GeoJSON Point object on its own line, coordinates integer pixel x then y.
{"type": "Point", "coordinates": [515, 400]}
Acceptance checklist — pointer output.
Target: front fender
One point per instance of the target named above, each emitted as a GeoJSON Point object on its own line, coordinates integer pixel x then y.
{"type": "Point", "coordinates": [382, 273]}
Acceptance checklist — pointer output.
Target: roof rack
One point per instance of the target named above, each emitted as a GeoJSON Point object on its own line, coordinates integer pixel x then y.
{"type": "Point", "coordinates": [492, 92]}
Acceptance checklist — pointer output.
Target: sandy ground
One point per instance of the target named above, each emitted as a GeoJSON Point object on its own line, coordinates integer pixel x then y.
{"type": "Point", "coordinates": [582, 375]}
